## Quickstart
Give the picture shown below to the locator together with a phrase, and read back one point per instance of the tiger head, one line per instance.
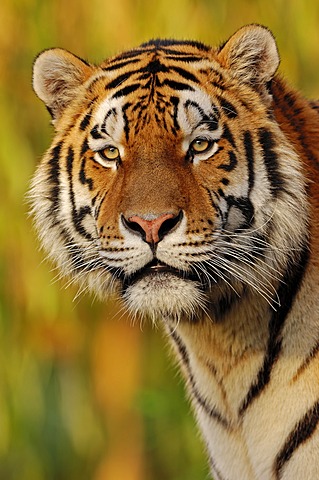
(169, 179)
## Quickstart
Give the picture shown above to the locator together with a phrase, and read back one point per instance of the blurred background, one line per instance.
(83, 393)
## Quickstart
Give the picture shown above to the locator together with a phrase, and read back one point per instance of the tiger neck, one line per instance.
(224, 358)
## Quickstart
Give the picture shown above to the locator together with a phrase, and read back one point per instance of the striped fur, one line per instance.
(183, 178)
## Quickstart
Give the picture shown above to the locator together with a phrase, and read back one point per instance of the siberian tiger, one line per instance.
(183, 177)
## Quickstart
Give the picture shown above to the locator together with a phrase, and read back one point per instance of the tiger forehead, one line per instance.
(174, 114)
(152, 85)
(153, 68)
(159, 53)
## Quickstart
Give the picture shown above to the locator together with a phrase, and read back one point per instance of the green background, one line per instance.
(84, 394)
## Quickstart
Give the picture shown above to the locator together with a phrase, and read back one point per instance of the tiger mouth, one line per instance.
(157, 268)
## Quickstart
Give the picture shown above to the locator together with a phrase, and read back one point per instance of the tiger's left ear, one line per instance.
(57, 76)
(251, 55)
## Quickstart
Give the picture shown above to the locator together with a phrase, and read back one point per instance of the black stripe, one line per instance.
(126, 90)
(132, 54)
(216, 75)
(211, 412)
(85, 147)
(175, 102)
(90, 87)
(177, 85)
(249, 150)
(83, 178)
(267, 144)
(286, 293)
(299, 435)
(154, 67)
(54, 163)
(94, 99)
(211, 121)
(245, 206)
(228, 167)
(228, 135)
(145, 76)
(126, 120)
(97, 211)
(311, 355)
(113, 112)
(228, 108)
(161, 121)
(119, 80)
(85, 121)
(165, 43)
(95, 133)
(315, 106)
(217, 80)
(119, 65)
(185, 74)
(186, 59)
(77, 216)
(216, 84)
(53, 178)
(290, 99)
(215, 205)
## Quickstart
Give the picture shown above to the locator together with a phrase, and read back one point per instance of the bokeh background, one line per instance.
(83, 393)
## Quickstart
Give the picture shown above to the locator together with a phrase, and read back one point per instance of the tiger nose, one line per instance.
(152, 231)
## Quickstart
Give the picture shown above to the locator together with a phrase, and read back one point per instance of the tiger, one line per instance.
(183, 179)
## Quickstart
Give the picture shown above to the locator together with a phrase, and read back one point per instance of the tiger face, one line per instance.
(169, 180)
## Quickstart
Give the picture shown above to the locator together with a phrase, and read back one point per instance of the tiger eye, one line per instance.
(200, 145)
(110, 153)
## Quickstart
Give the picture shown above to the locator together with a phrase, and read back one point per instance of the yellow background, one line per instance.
(83, 393)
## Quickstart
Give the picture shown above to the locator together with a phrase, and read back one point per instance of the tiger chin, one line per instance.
(184, 178)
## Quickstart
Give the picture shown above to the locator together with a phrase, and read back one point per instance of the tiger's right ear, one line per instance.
(251, 56)
(57, 74)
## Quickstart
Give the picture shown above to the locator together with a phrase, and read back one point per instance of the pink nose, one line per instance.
(153, 230)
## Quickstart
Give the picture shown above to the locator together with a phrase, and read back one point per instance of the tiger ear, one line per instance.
(251, 55)
(57, 74)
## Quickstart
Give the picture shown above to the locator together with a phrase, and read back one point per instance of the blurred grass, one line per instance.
(83, 394)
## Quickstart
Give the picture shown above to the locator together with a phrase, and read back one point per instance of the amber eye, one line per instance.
(200, 145)
(109, 153)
